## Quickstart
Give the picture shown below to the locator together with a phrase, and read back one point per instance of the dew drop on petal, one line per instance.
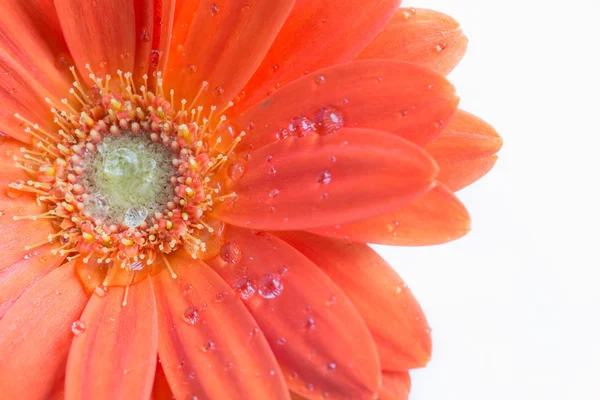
(324, 177)
(270, 286)
(301, 126)
(214, 9)
(310, 323)
(190, 315)
(328, 120)
(440, 46)
(209, 346)
(245, 287)
(274, 193)
(78, 328)
(135, 216)
(231, 253)
(236, 171)
(320, 79)
(331, 366)
(220, 297)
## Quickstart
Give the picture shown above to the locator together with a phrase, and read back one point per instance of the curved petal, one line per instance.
(43, 314)
(209, 345)
(394, 386)
(300, 183)
(407, 100)
(164, 15)
(318, 337)
(387, 305)
(425, 37)
(223, 43)
(317, 34)
(161, 389)
(115, 356)
(465, 150)
(100, 33)
(29, 71)
(437, 217)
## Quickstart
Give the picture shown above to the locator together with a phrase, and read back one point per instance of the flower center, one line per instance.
(127, 177)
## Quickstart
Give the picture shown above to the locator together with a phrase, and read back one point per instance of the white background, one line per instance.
(515, 306)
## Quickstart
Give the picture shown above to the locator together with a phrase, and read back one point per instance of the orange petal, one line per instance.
(318, 337)
(435, 218)
(223, 44)
(425, 37)
(394, 386)
(28, 72)
(404, 99)
(100, 33)
(164, 13)
(463, 151)
(316, 35)
(44, 314)
(392, 313)
(209, 344)
(300, 183)
(116, 355)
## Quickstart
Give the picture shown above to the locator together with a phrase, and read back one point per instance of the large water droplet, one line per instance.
(301, 126)
(231, 252)
(236, 171)
(120, 163)
(324, 177)
(78, 328)
(135, 216)
(270, 286)
(191, 315)
(97, 206)
(328, 120)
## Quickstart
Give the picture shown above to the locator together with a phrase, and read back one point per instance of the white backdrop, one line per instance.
(515, 306)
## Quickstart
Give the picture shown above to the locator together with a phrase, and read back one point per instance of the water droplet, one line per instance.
(44, 259)
(28, 256)
(440, 46)
(231, 253)
(120, 162)
(220, 297)
(310, 387)
(270, 286)
(324, 177)
(13, 193)
(145, 36)
(328, 120)
(192, 68)
(78, 328)
(135, 216)
(301, 126)
(188, 289)
(191, 315)
(408, 13)
(272, 170)
(310, 322)
(154, 58)
(282, 133)
(281, 341)
(219, 91)
(213, 9)
(209, 346)
(273, 193)
(320, 79)
(331, 366)
(236, 171)
(245, 287)
(274, 68)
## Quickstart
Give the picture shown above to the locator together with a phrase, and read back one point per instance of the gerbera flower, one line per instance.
(195, 182)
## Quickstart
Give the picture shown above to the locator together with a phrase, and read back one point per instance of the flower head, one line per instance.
(195, 184)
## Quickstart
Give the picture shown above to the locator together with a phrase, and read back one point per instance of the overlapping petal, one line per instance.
(99, 33)
(437, 217)
(43, 315)
(318, 337)
(209, 345)
(465, 150)
(316, 35)
(222, 43)
(424, 37)
(385, 302)
(408, 100)
(394, 386)
(114, 356)
(300, 183)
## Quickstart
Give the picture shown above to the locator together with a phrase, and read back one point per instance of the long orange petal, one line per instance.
(116, 355)
(29, 72)
(301, 183)
(407, 100)
(223, 44)
(435, 218)
(464, 151)
(100, 33)
(425, 37)
(394, 386)
(316, 35)
(161, 389)
(44, 314)
(209, 344)
(387, 305)
(318, 337)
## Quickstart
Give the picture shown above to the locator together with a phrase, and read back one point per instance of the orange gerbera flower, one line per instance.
(195, 182)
